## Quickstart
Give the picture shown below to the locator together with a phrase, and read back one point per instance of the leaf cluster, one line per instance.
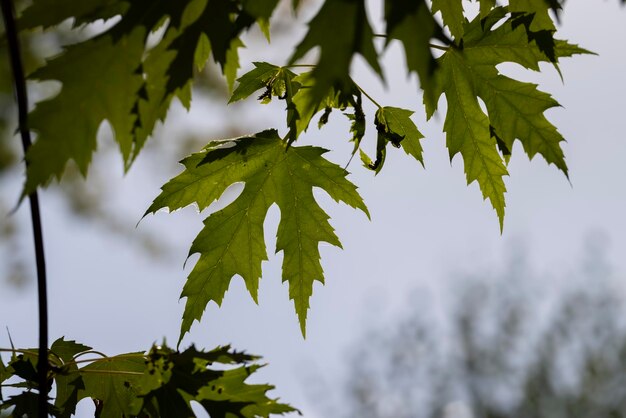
(129, 73)
(159, 383)
(122, 75)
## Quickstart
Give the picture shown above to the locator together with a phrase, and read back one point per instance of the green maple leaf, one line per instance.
(46, 13)
(67, 349)
(119, 78)
(394, 126)
(277, 82)
(452, 14)
(113, 381)
(306, 105)
(173, 379)
(515, 110)
(229, 395)
(263, 76)
(68, 381)
(413, 24)
(214, 23)
(486, 6)
(232, 240)
(340, 29)
(262, 10)
(99, 83)
(25, 405)
(539, 10)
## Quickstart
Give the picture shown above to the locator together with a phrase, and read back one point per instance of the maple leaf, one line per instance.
(394, 126)
(340, 29)
(263, 76)
(486, 6)
(230, 395)
(452, 14)
(68, 381)
(539, 9)
(232, 240)
(99, 82)
(515, 110)
(278, 82)
(306, 105)
(113, 382)
(173, 379)
(262, 10)
(413, 24)
(47, 13)
(118, 77)
(24, 405)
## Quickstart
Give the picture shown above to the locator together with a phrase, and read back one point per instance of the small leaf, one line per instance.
(68, 381)
(263, 75)
(306, 105)
(67, 349)
(396, 126)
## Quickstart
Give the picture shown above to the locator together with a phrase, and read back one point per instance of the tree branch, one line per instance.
(22, 105)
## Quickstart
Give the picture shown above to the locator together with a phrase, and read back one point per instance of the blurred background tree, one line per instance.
(507, 346)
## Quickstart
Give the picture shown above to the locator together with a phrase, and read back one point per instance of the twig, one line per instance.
(22, 105)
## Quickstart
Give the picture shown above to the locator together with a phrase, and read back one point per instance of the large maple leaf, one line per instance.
(515, 110)
(232, 240)
(120, 77)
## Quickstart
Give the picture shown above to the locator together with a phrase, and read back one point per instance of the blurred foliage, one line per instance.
(514, 347)
(87, 199)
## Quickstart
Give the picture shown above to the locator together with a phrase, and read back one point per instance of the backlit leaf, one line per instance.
(515, 110)
(340, 29)
(232, 240)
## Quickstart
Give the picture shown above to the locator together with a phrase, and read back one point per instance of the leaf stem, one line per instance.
(439, 47)
(371, 99)
(17, 350)
(122, 372)
(105, 358)
(91, 352)
(299, 66)
(22, 105)
(434, 46)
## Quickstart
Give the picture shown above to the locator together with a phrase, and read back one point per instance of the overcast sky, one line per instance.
(426, 224)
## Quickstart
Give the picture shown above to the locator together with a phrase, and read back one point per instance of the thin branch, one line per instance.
(22, 105)
(300, 66)
(371, 99)
(120, 372)
(434, 46)
(439, 47)
(17, 350)
(95, 360)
